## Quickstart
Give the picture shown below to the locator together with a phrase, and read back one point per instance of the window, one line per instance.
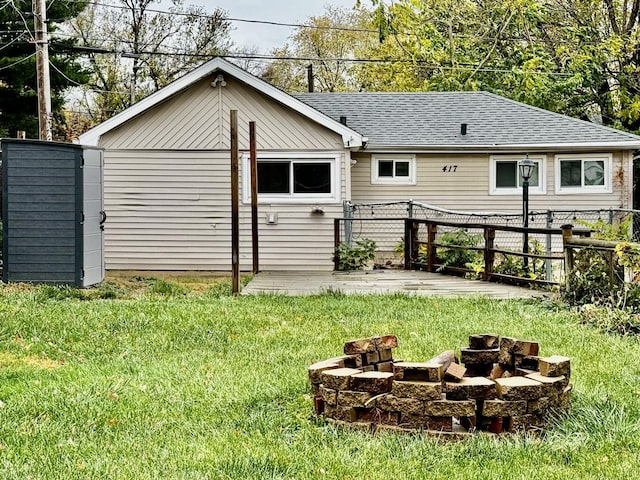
(299, 179)
(583, 173)
(505, 179)
(393, 169)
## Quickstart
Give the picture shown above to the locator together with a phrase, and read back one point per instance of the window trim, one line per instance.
(585, 189)
(409, 180)
(294, 198)
(541, 189)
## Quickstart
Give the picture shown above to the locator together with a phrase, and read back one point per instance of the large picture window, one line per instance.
(393, 169)
(583, 173)
(505, 179)
(297, 179)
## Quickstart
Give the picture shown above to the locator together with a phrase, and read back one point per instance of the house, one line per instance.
(167, 165)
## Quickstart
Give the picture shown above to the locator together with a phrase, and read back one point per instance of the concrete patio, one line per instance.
(409, 282)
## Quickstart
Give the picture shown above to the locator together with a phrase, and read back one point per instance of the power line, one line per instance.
(233, 19)
(12, 41)
(245, 56)
(445, 22)
(22, 60)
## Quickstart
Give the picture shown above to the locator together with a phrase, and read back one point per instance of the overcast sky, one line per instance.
(266, 37)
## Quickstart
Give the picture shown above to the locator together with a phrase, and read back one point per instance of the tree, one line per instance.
(578, 57)
(18, 83)
(333, 39)
(133, 49)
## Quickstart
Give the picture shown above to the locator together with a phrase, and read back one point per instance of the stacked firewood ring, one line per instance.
(496, 385)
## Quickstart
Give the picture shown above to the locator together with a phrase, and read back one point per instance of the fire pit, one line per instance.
(496, 385)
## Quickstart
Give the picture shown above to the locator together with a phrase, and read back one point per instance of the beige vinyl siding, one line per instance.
(171, 210)
(198, 118)
(468, 187)
(167, 185)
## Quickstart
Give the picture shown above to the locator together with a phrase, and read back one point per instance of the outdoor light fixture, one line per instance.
(526, 171)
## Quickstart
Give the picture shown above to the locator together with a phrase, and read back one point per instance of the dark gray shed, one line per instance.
(52, 213)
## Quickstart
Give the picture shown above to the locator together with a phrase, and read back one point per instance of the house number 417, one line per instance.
(449, 168)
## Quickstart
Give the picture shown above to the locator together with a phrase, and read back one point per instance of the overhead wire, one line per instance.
(443, 21)
(24, 21)
(11, 42)
(18, 62)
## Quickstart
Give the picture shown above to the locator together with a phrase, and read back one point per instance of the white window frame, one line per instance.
(585, 189)
(541, 189)
(300, 198)
(409, 180)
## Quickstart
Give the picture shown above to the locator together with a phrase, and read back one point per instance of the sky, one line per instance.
(266, 37)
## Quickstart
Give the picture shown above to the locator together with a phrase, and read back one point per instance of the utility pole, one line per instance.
(42, 69)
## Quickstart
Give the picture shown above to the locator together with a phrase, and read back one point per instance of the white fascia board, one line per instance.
(351, 138)
(559, 147)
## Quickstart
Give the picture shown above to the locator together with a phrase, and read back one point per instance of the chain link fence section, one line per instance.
(381, 222)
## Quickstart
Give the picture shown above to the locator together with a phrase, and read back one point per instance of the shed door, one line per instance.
(93, 210)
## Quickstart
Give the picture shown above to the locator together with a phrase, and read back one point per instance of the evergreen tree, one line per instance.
(18, 82)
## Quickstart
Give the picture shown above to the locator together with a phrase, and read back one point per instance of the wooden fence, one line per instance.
(426, 253)
(424, 249)
(607, 249)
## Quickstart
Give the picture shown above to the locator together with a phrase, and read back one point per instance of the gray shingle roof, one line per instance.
(432, 119)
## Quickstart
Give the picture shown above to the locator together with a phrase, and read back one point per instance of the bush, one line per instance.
(355, 257)
(514, 265)
(597, 285)
(459, 257)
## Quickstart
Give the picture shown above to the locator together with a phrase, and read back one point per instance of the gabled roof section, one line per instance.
(431, 121)
(351, 138)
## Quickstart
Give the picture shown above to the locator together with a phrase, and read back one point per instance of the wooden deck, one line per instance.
(380, 282)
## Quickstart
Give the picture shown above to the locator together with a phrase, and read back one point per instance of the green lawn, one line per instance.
(173, 384)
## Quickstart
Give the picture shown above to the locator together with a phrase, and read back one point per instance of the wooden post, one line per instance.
(411, 246)
(336, 243)
(567, 235)
(235, 206)
(432, 231)
(408, 244)
(489, 255)
(254, 196)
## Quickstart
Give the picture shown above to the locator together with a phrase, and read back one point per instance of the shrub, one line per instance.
(598, 277)
(459, 257)
(514, 265)
(355, 256)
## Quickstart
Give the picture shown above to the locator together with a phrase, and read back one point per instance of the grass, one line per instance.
(154, 379)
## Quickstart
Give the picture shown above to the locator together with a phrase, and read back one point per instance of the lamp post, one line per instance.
(526, 170)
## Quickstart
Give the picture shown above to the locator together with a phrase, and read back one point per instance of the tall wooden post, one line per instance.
(432, 231)
(254, 196)
(336, 243)
(235, 207)
(408, 243)
(489, 254)
(567, 234)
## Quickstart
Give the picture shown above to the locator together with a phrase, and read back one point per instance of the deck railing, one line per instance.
(426, 246)
(427, 252)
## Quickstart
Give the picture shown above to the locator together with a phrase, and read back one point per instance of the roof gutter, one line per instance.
(488, 148)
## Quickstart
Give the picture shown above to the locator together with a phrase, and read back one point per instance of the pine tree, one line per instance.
(18, 82)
